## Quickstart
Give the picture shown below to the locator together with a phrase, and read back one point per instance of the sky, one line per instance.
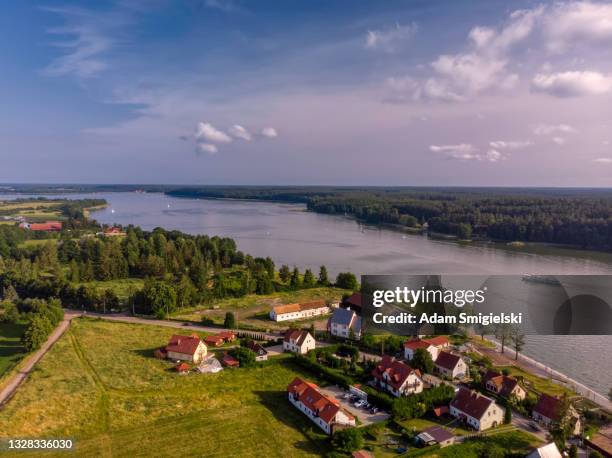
(415, 93)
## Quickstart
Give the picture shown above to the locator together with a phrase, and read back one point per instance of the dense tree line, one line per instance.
(580, 218)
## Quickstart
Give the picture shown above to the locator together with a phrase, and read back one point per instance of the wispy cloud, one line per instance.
(573, 83)
(510, 145)
(390, 38)
(548, 129)
(238, 131)
(603, 160)
(269, 132)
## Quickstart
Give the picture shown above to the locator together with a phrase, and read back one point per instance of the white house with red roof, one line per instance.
(433, 345)
(476, 410)
(397, 378)
(186, 348)
(450, 365)
(323, 411)
(550, 410)
(298, 341)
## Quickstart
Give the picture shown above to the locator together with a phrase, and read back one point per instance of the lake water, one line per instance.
(290, 235)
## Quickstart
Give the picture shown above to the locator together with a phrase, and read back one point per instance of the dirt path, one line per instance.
(13, 383)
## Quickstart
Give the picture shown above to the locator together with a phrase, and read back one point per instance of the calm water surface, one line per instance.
(290, 235)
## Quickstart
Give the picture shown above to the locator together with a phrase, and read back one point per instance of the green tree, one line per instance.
(323, 279)
(37, 332)
(9, 314)
(503, 333)
(295, 282)
(347, 280)
(245, 355)
(284, 273)
(508, 415)
(160, 297)
(518, 341)
(309, 279)
(230, 321)
(422, 360)
(348, 440)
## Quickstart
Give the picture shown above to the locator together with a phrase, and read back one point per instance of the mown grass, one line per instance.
(122, 287)
(516, 443)
(536, 383)
(101, 386)
(11, 350)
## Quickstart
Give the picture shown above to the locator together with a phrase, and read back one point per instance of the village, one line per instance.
(439, 391)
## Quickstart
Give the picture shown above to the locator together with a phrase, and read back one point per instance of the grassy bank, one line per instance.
(101, 386)
(11, 350)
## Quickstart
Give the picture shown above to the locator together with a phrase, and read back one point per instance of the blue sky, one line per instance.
(307, 92)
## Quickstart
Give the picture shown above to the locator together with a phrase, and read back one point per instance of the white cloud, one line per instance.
(206, 131)
(573, 83)
(559, 140)
(571, 23)
(206, 148)
(603, 160)
(467, 152)
(269, 132)
(240, 132)
(549, 129)
(509, 145)
(390, 38)
(494, 156)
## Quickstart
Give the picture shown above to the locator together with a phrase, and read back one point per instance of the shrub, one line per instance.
(348, 440)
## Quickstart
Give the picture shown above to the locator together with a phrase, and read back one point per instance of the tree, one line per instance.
(422, 360)
(348, 440)
(284, 273)
(573, 451)
(10, 314)
(508, 415)
(309, 279)
(323, 279)
(295, 281)
(244, 355)
(518, 340)
(160, 298)
(230, 321)
(503, 333)
(36, 332)
(347, 280)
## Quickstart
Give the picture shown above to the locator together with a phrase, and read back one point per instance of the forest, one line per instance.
(580, 218)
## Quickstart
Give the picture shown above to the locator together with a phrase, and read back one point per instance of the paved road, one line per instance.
(525, 423)
(9, 389)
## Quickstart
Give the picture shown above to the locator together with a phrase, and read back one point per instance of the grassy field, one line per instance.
(538, 384)
(11, 350)
(517, 443)
(101, 386)
(253, 309)
(122, 287)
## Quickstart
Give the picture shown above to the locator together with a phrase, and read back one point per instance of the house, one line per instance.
(186, 348)
(397, 378)
(476, 410)
(113, 232)
(299, 311)
(229, 361)
(450, 365)
(182, 368)
(362, 454)
(549, 410)
(546, 451)
(504, 385)
(261, 354)
(323, 411)
(48, 226)
(345, 323)
(436, 435)
(353, 302)
(298, 341)
(433, 345)
(220, 338)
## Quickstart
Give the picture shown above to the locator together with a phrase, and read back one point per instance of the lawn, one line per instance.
(101, 386)
(11, 350)
(539, 384)
(516, 443)
(253, 309)
(122, 287)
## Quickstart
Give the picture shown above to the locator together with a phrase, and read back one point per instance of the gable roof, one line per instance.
(298, 336)
(505, 384)
(308, 394)
(548, 406)
(354, 299)
(546, 451)
(438, 341)
(342, 317)
(396, 371)
(415, 344)
(436, 433)
(184, 344)
(292, 308)
(214, 340)
(46, 226)
(447, 360)
(257, 348)
(471, 403)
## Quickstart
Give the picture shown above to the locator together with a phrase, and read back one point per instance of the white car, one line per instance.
(360, 403)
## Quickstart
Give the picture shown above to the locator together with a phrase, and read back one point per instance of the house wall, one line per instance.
(433, 351)
(305, 410)
(493, 416)
(299, 315)
(179, 356)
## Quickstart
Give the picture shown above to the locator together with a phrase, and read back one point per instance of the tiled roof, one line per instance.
(447, 360)
(292, 308)
(548, 406)
(503, 383)
(183, 344)
(415, 344)
(438, 341)
(309, 395)
(296, 335)
(396, 371)
(342, 317)
(471, 403)
(353, 299)
(257, 348)
(437, 433)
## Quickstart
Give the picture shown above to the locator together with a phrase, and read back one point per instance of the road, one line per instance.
(13, 383)
(525, 423)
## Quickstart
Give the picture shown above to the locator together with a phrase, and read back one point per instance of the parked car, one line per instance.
(360, 403)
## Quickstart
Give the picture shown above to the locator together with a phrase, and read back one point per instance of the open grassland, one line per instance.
(101, 386)
(28, 205)
(538, 384)
(11, 350)
(254, 309)
(122, 287)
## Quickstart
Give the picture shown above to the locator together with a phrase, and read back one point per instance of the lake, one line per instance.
(291, 235)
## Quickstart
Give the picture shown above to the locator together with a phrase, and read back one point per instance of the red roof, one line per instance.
(396, 371)
(183, 344)
(182, 367)
(47, 226)
(309, 395)
(296, 335)
(362, 454)
(437, 341)
(112, 230)
(215, 340)
(471, 403)
(549, 407)
(354, 299)
(227, 335)
(504, 384)
(447, 360)
(230, 361)
(439, 411)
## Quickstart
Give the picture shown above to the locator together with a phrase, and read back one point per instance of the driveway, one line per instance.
(524, 424)
(365, 417)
